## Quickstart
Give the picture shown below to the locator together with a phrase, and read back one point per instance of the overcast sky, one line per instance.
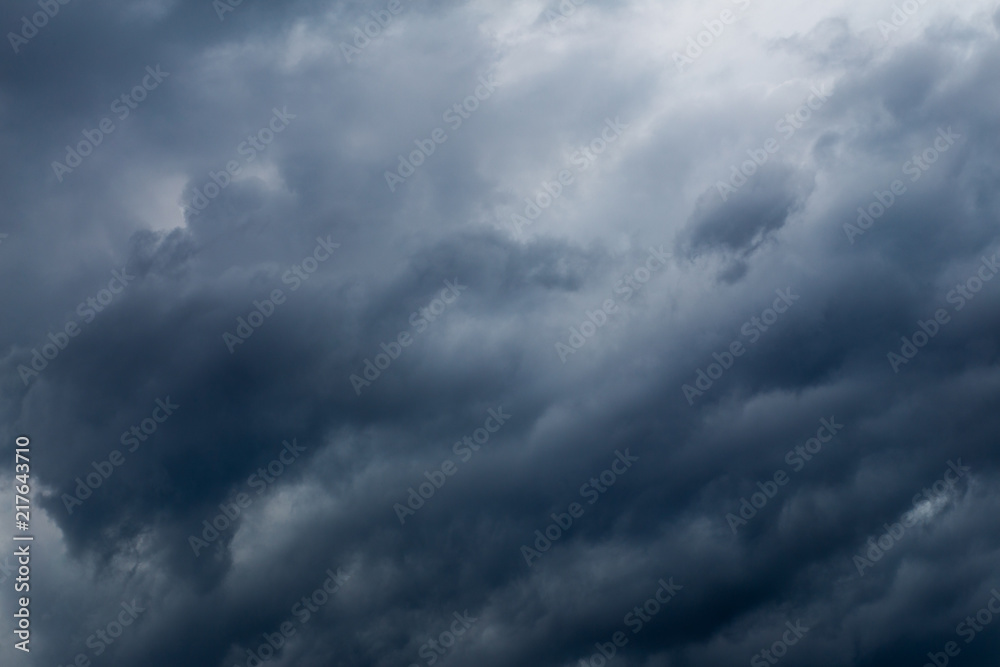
(646, 333)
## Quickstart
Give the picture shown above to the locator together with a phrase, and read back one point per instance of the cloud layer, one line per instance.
(489, 333)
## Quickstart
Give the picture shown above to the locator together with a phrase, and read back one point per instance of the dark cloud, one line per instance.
(284, 471)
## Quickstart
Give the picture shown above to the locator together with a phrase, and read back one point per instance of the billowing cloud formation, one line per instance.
(487, 333)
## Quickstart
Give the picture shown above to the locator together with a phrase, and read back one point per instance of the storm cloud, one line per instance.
(541, 333)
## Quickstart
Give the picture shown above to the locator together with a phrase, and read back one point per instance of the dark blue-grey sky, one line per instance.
(634, 274)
